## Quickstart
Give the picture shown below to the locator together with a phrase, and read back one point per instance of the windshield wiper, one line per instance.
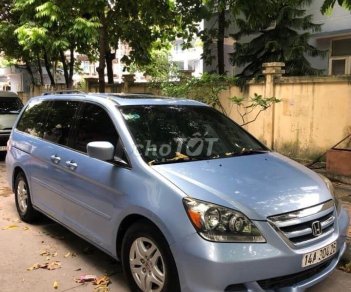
(246, 152)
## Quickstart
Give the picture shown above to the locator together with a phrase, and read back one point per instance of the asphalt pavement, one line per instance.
(48, 257)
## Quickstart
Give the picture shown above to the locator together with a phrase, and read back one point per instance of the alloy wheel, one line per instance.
(147, 265)
(22, 196)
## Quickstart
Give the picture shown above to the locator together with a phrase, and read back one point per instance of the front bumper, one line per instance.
(209, 266)
(3, 141)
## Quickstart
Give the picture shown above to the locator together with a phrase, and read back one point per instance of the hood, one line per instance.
(258, 185)
(7, 121)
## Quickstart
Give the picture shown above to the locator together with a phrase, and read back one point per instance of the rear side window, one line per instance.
(60, 120)
(34, 117)
(94, 124)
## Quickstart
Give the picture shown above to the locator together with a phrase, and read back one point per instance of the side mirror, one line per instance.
(101, 150)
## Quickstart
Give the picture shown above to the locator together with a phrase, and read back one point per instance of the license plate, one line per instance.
(318, 255)
(3, 148)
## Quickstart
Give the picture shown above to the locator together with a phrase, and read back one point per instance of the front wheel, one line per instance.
(23, 200)
(147, 260)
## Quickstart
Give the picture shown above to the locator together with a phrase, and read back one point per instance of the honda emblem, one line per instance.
(316, 228)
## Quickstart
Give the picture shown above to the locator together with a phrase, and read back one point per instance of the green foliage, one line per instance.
(254, 105)
(280, 35)
(159, 69)
(220, 15)
(46, 29)
(328, 5)
(206, 89)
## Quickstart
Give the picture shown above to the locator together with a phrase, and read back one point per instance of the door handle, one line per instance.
(55, 159)
(71, 165)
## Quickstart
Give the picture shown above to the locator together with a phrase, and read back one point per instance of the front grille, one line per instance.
(290, 280)
(296, 227)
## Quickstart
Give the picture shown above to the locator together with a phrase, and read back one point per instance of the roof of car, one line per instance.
(123, 99)
(8, 94)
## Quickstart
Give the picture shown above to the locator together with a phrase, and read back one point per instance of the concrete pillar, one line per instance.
(90, 82)
(272, 71)
(128, 80)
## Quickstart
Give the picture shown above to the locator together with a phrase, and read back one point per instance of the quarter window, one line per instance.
(34, 117)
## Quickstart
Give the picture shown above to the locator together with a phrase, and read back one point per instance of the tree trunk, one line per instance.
(109, 59)
(220, 40)
(65, 69)
(30, 71)
(71, 68)
(40, 70)
(48, 68)
(102, 52)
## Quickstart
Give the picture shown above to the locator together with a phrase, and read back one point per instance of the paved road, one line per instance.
(23, 245)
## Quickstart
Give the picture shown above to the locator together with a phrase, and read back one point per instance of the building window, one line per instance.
(340, 57)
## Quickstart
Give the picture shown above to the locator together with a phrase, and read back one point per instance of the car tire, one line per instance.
(147, 260)
(23, 199)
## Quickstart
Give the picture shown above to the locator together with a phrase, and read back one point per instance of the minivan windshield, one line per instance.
(177, 133)
(9, 105)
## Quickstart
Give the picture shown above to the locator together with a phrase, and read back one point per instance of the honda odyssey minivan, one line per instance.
(185, 198)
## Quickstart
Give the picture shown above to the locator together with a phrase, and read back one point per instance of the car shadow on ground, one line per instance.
(78, 247)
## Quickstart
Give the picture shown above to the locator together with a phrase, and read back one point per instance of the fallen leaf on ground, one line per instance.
(25, 228)
(103, 280)
(55, 285)
(53, 265)
(79, 269)
(102, 283)
(85, 278)
(48, 266)
(10, 227)
(48, 254)
(70, 254)
(34, 267)
(45, 253)
(101, 288)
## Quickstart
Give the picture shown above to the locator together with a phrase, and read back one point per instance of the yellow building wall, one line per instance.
(314, 114)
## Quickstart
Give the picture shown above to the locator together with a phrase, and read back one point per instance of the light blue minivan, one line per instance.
(184, 197)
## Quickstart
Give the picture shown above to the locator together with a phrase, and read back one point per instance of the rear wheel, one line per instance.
(147, 260)
(23, 200)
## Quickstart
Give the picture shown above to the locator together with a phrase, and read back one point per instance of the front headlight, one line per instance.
(217, 223)
(330, 187)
